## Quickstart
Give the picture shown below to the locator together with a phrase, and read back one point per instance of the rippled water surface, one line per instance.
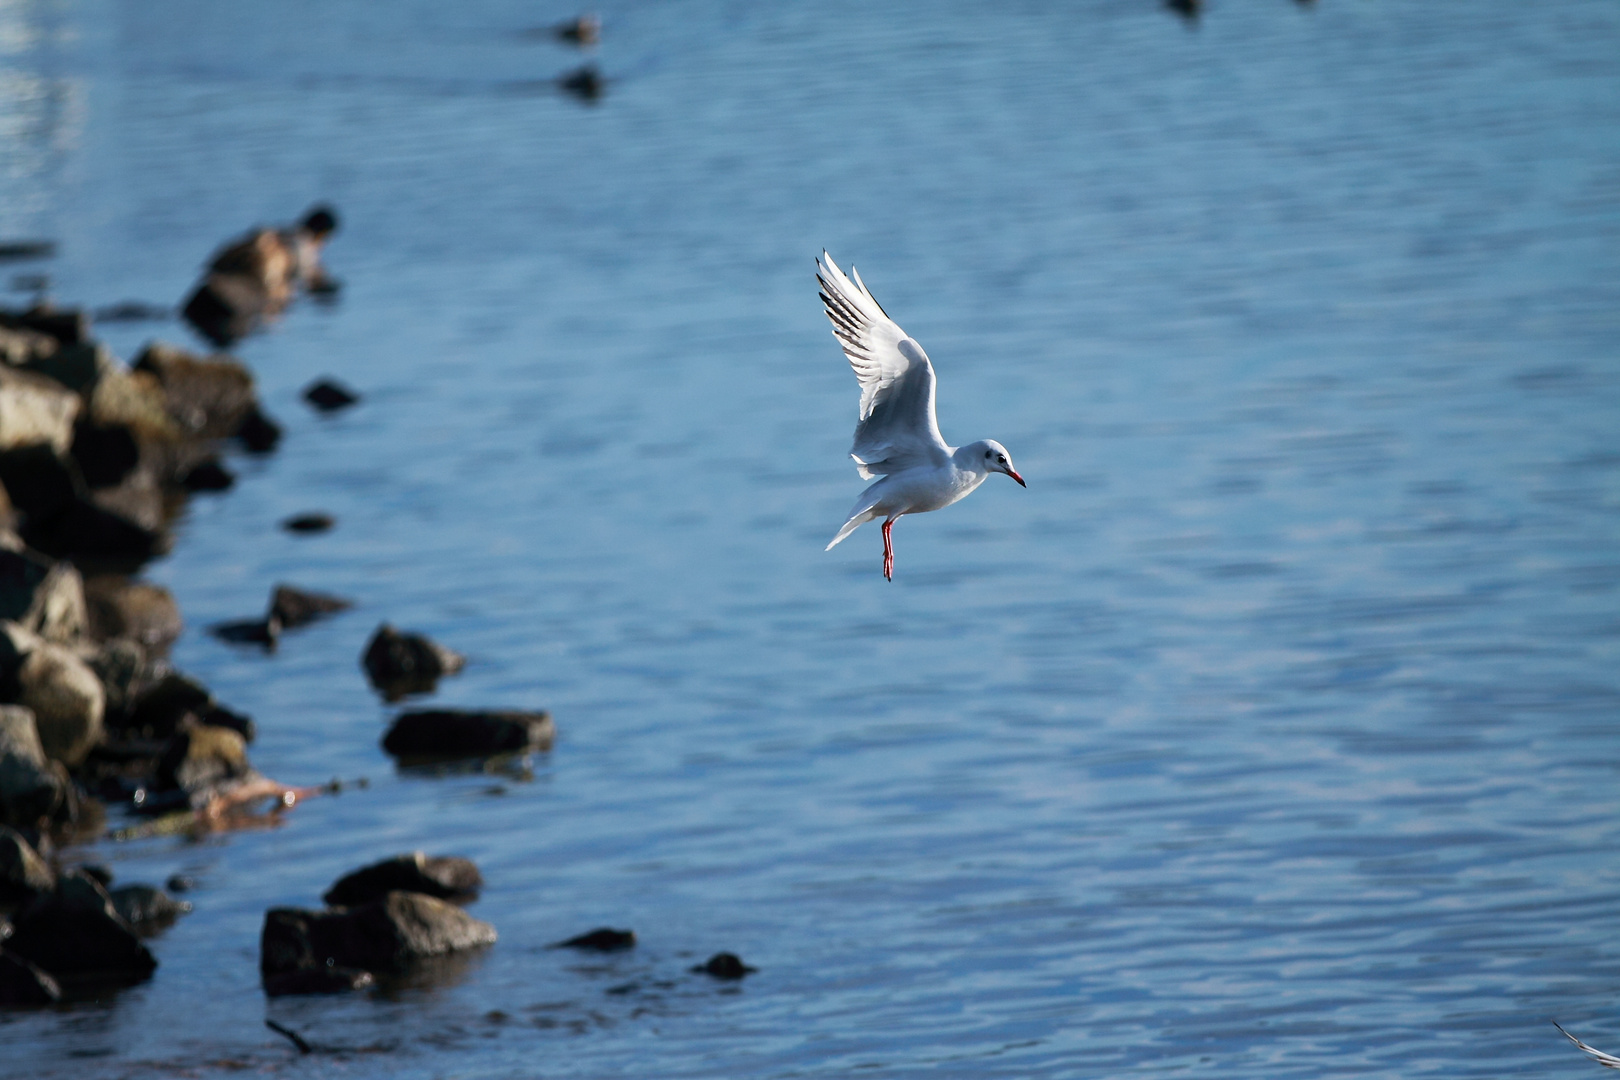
(1271, 732)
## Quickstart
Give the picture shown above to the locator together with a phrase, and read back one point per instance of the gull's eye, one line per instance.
(1001, 459)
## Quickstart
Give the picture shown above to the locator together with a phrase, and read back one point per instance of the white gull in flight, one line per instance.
(897, 436)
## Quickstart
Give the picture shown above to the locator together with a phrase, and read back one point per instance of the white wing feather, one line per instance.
(897, 428)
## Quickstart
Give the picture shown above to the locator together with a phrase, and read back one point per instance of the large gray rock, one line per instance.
(121, 608)
(442, 876)
(76, 931)
(47, 597)
(35, 409)
(32, 789)
(64, 694)
(384, 935)
(24, 875)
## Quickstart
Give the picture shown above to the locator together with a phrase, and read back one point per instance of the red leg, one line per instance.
(888, 550)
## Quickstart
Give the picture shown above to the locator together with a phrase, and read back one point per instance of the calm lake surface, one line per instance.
(1274, 731)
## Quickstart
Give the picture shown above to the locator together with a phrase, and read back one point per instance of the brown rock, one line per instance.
(24, 876)
(144, 613)
(400, 664)
(296, 607)
(46, 597)
(35, 410)
(384, 935)
(64, 694)
(32, 788)
(442, 876)
(208, 398)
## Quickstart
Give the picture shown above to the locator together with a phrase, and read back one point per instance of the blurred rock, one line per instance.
(76, 932)
(224, 308)
(21, 983)
(400, 664)
(586, 83)
(585, 30)
(102, 875)
(384, 935)
(441, 734)
(296, 607)
(32, 788)
(179, 883)
(94, 537)
(443, 876)
(147, 909)
(105, 453)
(132, 311)
(208, 398)
(265, 632)
(142, 612)
(257, 432)
(174, 702)
(24, 875)
(35, 410)
(724, 966)
(126, 672)
(201, 758)
(328, 395)
(321, 980)
(47, 598)
(69, 326)
(309, 523)
(208, 475)
(604, 940)
(38, 481)
(19, 347)
(64, 694)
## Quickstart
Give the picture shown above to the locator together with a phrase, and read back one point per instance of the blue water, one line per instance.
(1271, 732)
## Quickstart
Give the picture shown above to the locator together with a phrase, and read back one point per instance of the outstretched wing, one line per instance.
(897, 428)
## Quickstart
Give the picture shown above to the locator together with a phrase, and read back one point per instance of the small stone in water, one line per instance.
(601, 940)
(309, 523)
(328, 395)
(725, 966)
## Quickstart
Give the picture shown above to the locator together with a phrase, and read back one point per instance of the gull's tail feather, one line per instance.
(856, 520)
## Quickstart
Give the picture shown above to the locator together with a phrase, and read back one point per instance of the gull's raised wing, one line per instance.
(897, 428)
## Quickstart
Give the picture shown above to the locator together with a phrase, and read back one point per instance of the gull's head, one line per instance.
(991, 456)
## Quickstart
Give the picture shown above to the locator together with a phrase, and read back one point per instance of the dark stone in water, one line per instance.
(442, 876)
(77, 932)
(27, 249)
(224, 308)
(309, 523)
(94, 538)
(587, 83)
(400, 664)
(208, 475)
(21, 983)
(180, 883)
(176, 701)
(132, 311)
(296, 607)
(69, 327)
(201, 758)
(328, 395)
(146, 908)
(265, 632)
(724, 966)
(388, 934)
(604, 940)
(441, 734)
(257, 432)
(321, 980)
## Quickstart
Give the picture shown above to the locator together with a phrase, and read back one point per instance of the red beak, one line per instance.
(1012, 473)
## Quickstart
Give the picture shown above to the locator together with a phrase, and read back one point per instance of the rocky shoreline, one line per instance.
(102, 738)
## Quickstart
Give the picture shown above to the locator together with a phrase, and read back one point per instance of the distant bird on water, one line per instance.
(898, 435)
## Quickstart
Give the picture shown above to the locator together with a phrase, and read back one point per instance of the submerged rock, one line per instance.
(265, 632)
(387, 934)
(321, 980)
(21, 983)
(314, 522)
(442, 876)
(297, 607)
(724, 966)
(76, 931)
(604, 940)
(400, 664)
(438, 734)
(328, 395)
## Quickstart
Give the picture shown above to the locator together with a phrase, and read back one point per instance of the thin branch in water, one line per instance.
(297, 1039)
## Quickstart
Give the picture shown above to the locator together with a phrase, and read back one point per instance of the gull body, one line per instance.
(897, 436)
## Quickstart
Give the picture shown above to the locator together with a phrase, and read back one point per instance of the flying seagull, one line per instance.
(898, 436)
